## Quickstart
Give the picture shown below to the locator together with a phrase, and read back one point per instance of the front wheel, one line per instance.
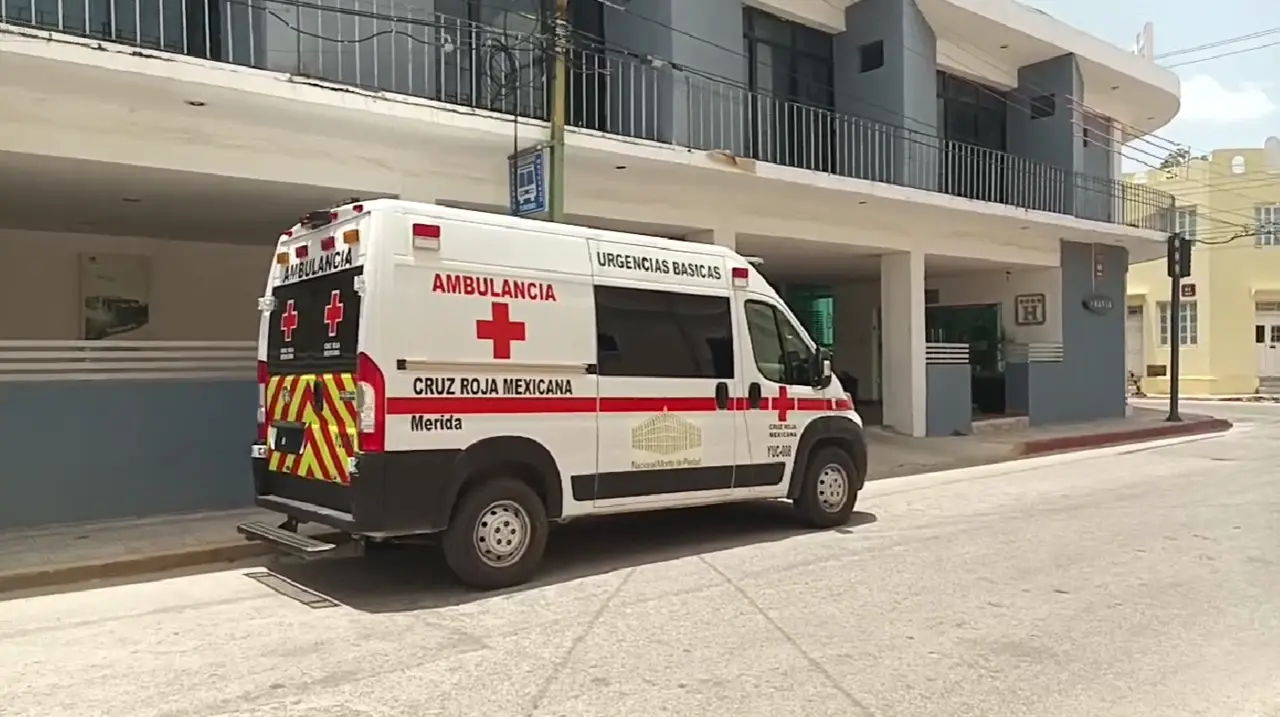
(497, 535)
(827, 495)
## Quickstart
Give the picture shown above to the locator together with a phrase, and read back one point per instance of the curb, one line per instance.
(54, 576)
(1116, 438)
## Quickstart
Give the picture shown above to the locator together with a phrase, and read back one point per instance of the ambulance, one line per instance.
(429, 371)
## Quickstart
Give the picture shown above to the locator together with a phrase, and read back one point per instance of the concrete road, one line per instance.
(1133, 582)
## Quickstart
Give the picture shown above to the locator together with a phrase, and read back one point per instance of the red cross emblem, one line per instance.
(783, 403)
(500, 329)
(333, 312)
(289, 321)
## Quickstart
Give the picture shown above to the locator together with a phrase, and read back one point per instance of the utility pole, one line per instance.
(559, 89)
(1179, 258)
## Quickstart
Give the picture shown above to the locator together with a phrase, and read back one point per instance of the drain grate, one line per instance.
(292, 590)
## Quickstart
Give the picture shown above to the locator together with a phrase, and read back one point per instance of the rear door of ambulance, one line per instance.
(312, 335)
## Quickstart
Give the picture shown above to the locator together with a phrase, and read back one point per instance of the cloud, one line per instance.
(1204, 99)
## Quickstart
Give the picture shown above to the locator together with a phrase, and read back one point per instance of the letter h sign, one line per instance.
(1029, 309)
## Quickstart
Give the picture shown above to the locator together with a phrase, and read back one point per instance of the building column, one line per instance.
(903, 341)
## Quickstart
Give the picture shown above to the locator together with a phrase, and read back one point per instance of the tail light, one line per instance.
(371, 403)
(262, 401)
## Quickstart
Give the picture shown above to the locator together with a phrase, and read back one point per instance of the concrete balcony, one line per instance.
(404, 49)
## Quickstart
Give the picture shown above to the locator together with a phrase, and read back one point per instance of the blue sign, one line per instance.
(528, 181)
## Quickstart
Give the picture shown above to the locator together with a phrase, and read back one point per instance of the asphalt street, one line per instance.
(1130, 581)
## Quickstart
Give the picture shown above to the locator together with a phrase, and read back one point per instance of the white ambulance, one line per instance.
(426, 370)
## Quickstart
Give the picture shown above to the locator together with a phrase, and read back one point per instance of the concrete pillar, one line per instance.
(720, 237)
(903, 339)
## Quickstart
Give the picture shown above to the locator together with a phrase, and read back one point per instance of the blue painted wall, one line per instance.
(1093, 344)
(1053, 139)
(901, 93)
(669, 106)
(101, 450)
(948, 399)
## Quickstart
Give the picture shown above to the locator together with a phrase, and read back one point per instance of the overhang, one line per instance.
(988, 40)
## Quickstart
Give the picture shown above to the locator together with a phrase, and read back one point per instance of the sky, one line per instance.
(1226, 102)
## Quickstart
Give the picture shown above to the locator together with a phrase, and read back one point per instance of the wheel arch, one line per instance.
(825, 431)
(517, 457)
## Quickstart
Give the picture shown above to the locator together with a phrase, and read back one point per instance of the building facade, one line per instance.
(940, 176)
(1229, 314)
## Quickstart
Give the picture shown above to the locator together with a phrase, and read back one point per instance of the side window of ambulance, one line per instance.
(780, 351)
(660, 334)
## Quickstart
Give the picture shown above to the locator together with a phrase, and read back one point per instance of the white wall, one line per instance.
(198, 292)
(1000, 287)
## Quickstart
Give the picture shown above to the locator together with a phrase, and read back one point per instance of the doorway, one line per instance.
(1266, 338)
(979, 326)
(1135, 348)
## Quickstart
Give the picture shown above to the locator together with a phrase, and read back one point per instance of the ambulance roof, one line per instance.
(519, 223)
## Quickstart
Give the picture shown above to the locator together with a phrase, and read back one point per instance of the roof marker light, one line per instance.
(302, 251)
(351, 237)
(327, 244)
(426, 236)
(282, 258)
(740, 275)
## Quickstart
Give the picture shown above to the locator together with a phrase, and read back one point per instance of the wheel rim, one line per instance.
(502, 533)
(833, 488)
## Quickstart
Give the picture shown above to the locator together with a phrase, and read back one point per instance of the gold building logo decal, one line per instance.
(668, 436)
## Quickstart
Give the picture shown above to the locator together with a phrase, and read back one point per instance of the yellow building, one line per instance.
(1230, 313)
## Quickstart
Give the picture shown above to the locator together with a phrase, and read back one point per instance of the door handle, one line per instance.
(722, 395)
(754, 395)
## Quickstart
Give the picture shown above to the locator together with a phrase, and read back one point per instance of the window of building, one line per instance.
(1043, 106)
(791, 65)
(814, 306)
(1188, 324)
(780, 351)
(1185, 220)
(659, 334)
(871, 56)
(788, 60)
(1267, 217)
(1259, 333)
(972, 113)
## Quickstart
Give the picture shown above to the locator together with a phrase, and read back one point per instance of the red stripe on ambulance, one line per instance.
(510, 405)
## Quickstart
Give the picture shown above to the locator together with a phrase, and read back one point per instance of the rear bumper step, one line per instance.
(285, 540)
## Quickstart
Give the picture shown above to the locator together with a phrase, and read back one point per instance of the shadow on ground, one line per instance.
(404, 578)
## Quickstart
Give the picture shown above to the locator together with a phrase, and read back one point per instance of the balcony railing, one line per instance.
(397, 47)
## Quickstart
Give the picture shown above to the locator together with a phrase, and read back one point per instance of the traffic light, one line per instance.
(1179, 256)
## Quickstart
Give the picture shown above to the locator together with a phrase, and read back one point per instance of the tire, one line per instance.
(496, 509)
(821, 502)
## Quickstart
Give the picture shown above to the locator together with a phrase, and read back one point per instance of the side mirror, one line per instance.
(821, 368)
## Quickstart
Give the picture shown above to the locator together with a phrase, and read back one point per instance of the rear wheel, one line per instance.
(497, 535)
(827, 496)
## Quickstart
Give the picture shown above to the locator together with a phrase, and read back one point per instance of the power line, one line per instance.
(1221, 55)
(1219, 43)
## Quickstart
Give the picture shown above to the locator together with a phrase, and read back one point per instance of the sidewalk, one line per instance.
(62, 555)
(67, 554)
(893, 456)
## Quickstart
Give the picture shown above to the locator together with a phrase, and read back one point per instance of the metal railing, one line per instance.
(946, 353)
(22, 361)
(399, 47)
(1039, 352)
